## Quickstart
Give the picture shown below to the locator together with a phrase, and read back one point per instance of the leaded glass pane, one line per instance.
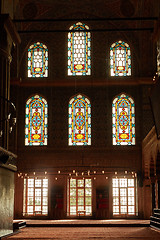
(88, 191)
(30, 201)
(73, 191)
(45, 192)
(120, 59)
(115, 191)
(123, 209)
(88, 200)
(80, 182)
(123, 200)
(130, 191)
(123, 120)
(130, 200)
(37, 200)
(79, 50)
(80, 192)
(38, 183)
(131, 210)
(30, 182)
(123, 182)
(30, 191)
(130, 182)
(115, 201)
(80, 201)
(88, 183)
(36, 121)
(73, 201)
(88, 210)
(73, 210)
(37, 192)
(115, 210)
(38, 60)
(45, 210)
(72, 182)
(79, 121)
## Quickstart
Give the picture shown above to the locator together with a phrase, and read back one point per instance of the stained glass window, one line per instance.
(123, 120)
(79, 50)
(79, 121)
(38, 60)
(36, 121)
(120, 59)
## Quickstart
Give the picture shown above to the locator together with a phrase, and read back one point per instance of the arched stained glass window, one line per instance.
(79, 50)
(36, 120)
(38, 60)
(120, 59)
(79, 121)
(123, 120)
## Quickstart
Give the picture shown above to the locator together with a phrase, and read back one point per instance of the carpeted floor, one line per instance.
(87, 233)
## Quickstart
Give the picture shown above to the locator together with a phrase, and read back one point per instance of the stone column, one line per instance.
(8, 38)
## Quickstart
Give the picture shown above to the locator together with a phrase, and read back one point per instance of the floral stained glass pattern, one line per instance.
(36, 121)
(120, 59)
(79, 121)
(38, 60)
(123, 120)
(79, 50)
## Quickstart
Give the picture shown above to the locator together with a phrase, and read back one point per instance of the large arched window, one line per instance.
(120, 59)
(36, 120)
(123, 120)
(38, 60)
(79, 50)
(79, 121)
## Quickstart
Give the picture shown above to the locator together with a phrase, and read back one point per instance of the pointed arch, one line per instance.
(36, 121)
(79, 50)
(123, 120)
(38, 60)
(120, 59)
(79, 120)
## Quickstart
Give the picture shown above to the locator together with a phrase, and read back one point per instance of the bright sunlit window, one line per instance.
(79, 50)
(35, 196)
(124, 196)
(120, 59)
(79, 197)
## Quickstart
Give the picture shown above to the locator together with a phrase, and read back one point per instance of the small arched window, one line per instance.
(79, 121)
(36, 121)
(120, 59)
(38, 60)
(123, 120)
(79, 50)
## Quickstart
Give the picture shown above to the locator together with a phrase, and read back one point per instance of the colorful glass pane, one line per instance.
(79, 121)
(120, 59)
(123, 120)
(79, 50)
(36, 121)
(38, 60)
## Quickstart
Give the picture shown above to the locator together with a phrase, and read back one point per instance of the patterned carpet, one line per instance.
(87, 233)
